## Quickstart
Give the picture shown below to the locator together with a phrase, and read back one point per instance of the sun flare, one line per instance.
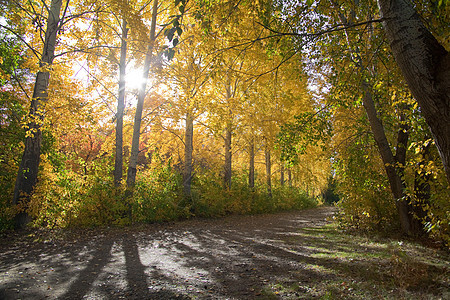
(134, 79)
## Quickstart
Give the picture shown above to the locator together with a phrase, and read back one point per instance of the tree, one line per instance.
(29, 166)
(53, 36)
(118, 165)
(132, 165)
(251, 164)
(393, 163)
(13, 109)
(268, 169)
(189, 72)
(425, 65)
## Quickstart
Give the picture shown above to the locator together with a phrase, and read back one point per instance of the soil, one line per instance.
(236, 257)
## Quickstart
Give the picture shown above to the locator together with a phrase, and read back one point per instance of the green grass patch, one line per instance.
(342, 265)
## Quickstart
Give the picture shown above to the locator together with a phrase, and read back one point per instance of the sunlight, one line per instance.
(134, 78)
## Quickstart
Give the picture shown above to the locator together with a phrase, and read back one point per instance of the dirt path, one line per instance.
(238, 257)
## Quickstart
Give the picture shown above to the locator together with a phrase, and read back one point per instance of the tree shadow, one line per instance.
(137, 279)
(135, 274)
(236, 258)
(83, 284)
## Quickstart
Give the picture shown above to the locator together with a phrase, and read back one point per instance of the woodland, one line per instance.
(119, 112)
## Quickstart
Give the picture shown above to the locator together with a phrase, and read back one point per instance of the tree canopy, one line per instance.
(115, 112)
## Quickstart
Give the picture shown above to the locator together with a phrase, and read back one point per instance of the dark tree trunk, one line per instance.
(118, 164)
(188, 148)
(389, 161)
(415, 209)
(425, 65)
(268, 172)
(228, 157)
(29, 165)
(422, 191)
(290, 177)
(251, 170)
(282, 174)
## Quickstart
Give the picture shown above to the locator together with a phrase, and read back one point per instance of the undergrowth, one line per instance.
(64, 198)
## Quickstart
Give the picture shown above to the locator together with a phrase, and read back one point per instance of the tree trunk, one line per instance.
(268, 172)
(425, 65)
(282, 174)
(118, 164)
(251, 170)
(188, 148)
(415, 208)
(228, 156)
(29, 165)
(290, 177)
(422, 191)
(389, 161)
(132, 165)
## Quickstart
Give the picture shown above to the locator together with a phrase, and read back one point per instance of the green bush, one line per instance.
(212, 200)
(158, 195)
(64, 198)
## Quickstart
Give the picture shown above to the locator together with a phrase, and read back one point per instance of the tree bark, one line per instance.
(422, 191)
(188, 149)
(132, 165)
(251, 169)
(118, 164)
(282, 174)
(389, 161)
(268, 172)
(29, 165)
(425, 65)
(228, 157)
(290, 177)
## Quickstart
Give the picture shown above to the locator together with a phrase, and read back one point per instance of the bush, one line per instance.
(64, 198)
(211, 200)
(158, 195)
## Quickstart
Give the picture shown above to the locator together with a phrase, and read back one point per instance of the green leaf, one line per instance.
(170, 54)
(171, 33)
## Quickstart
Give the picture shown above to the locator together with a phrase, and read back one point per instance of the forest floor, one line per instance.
(294, 255)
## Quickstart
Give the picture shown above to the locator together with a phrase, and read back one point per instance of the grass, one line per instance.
(351, 266)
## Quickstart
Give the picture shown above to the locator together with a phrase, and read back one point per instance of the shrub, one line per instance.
(158, 195)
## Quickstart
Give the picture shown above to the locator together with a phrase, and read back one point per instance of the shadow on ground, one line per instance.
(283, 256)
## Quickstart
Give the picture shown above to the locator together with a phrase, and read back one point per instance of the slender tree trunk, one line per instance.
(282, 174)
(228, 157)
(415, 204)
(268, 171)
(389, 161)
(422, 191)
(132, 165)
(118, 164)
(188, 148)
(425, 65)
(251, 170)
(29, 165)
(290, 177)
